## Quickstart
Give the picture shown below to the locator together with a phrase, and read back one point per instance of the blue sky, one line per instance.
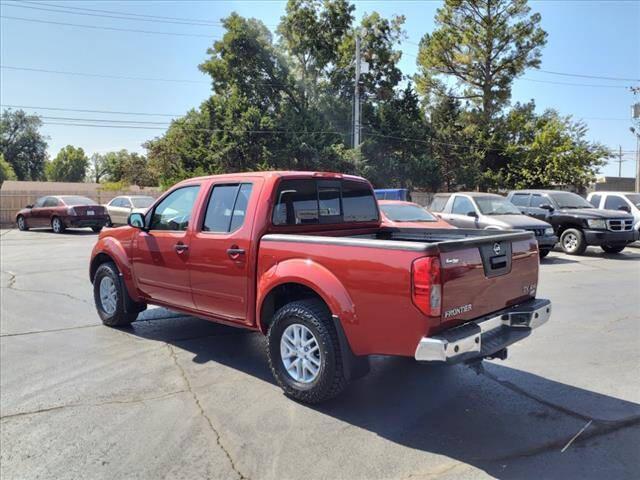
(598, 38)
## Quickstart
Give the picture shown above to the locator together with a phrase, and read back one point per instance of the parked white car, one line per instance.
(119, 208)
(625, 201)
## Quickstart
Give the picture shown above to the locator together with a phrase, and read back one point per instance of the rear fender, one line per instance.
(312, 275)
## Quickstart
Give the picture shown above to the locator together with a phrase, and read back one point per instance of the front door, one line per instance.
(160, 255)
(222, 254)
(537, 200)
(36, 215)
(460, 210)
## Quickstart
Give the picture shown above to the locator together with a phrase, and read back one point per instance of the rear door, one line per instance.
(221, 252)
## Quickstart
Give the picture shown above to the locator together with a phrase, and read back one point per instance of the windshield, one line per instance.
(142, 202)
(570, 200)
(496, 206)
(634, 198)
(407, 213)
(74, 200)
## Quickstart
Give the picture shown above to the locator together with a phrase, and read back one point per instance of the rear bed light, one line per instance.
(427, 285)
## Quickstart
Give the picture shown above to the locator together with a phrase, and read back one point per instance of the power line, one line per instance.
(97, 27)
(116, 15)
(598, 77)
(100, 75)
(82, 110)
(572, 84)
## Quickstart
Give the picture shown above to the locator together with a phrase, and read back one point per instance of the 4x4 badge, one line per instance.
(496, 248)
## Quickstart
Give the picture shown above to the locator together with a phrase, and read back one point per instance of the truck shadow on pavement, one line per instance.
(510, 423)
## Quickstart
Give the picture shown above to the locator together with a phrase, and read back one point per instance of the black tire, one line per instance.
(572, 241)
(330, 380)
(118, 317)
(22, 223)
(613, 248)
(57, 225)
(109, 222)
(96, 229)
(543, 253)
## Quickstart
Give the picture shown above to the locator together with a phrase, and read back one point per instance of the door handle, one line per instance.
(181, 247)
(234, 252)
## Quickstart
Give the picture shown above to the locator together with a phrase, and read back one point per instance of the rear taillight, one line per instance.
(427, 286)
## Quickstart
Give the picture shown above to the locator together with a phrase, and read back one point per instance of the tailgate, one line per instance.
(492, 272)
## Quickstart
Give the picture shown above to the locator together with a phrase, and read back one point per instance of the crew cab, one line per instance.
(302, 258)
(576, 221)
(491, 212)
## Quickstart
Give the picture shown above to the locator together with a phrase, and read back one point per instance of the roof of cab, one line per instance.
(279, 174)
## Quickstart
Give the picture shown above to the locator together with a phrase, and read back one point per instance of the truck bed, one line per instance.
(482, 272)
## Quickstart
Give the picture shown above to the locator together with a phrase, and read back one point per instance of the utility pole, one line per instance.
(620, 160)
(356, 97)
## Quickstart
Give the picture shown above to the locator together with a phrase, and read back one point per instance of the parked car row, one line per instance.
(610, 220)
(60, 212)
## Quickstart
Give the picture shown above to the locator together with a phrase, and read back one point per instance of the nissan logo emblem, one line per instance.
(496, 248)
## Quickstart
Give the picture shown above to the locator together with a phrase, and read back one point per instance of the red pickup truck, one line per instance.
(302, 258)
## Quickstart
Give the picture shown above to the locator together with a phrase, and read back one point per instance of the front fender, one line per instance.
(116, 251)
(314, 276)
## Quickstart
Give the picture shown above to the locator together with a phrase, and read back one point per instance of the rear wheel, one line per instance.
(22, 223)
(613, 248)
(304, 352)
(57, 225)
(573, 242)
(109, 296)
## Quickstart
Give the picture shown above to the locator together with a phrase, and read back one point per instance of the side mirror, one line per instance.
(625, 208)
(29, 206)
(136, 220)
(472, 214)
(546, 206)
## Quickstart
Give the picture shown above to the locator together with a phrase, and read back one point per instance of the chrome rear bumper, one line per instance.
(485, 336)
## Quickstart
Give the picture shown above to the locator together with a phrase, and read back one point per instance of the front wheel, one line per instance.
(573, 242)
(613, 248)
(57, 225)
(304, 352)
(109, 297)
(543, 253)
(22, 223)
(96, 229)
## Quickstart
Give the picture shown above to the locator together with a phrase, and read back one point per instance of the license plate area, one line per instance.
(91, 212)
(496, 258)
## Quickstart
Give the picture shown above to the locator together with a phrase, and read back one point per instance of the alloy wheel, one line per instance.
(300, 353)
(108, 295)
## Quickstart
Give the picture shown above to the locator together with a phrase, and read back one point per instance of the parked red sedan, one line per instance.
(61, 212)
(396, 213)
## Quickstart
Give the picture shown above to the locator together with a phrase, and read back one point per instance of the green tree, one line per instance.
(6, 170)
(70, 165)
(484, 45)
(547, 150)
(22, 144)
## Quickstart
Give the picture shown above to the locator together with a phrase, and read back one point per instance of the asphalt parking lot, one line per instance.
(178, 397)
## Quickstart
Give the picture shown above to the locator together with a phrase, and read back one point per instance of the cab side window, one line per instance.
(462, 206)
(537, 200)
(227, 208)
(595, 200)
(520, 199)
(614, 202)
(174, 211)
(438, 204)
(39, 203)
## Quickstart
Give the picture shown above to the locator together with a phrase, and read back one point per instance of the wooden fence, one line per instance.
(13, 200)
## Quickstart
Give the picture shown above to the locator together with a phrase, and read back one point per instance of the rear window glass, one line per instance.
(75, 200)
(406, 213)
(310, 201)
(142, 202)
(438, 204)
